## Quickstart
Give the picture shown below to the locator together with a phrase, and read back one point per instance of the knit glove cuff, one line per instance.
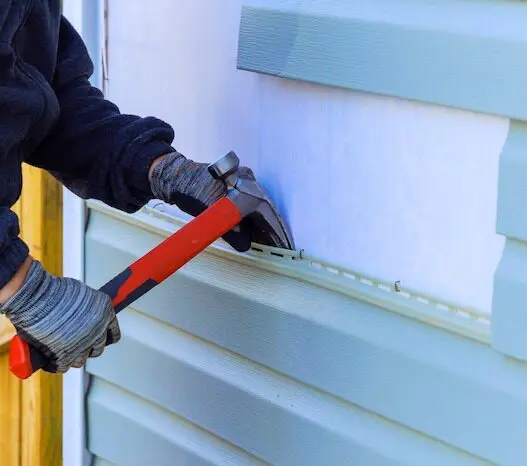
(62, 317)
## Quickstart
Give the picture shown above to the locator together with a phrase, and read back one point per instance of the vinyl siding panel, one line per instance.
(404, 49)
(255, 359)
(398, 48)
(509, 319)
(101, 462)
(138, 432)
(230, 363)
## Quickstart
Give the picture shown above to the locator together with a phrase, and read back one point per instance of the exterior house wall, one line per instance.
(394, 153)
(332, 158)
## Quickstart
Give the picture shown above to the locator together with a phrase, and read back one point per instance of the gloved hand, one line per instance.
(189, 185)
(63, 318)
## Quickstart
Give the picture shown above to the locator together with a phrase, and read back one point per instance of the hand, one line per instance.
(189, 185)
(63, 318)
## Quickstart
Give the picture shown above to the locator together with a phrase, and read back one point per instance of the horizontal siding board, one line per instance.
(134, 432)
(101, 462)
(512, 187)
(509, 319)
(350, 349)
(465, 55)
(509, 325)
(271, 416)
(467, 322)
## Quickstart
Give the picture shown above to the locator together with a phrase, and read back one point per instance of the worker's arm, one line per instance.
(94, 150)
(99, 153)
(67, 320)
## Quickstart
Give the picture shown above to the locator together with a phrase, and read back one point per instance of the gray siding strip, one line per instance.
(133, 432)
(509, 323)
(271, 416)
(468, 55)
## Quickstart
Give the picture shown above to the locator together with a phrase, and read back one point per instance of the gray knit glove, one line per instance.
(189, 185)
(63, 318)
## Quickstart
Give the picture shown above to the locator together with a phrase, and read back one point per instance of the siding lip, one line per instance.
(466, 322)
(404, 49)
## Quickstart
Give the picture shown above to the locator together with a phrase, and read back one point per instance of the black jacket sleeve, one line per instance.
(93, 149)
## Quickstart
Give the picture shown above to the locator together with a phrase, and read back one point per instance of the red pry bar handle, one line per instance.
(145, 273)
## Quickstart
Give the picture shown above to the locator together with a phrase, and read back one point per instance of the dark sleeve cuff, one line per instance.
(11, 259)
(141, 162)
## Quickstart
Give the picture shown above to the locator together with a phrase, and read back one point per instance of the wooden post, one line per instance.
(31, 411)
(10, 408)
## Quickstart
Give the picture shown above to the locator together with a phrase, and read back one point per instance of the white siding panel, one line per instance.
(393, 189)
(177, 61)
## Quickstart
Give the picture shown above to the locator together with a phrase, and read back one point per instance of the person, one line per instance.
(51, 117)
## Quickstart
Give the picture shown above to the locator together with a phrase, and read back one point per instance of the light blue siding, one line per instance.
(241, 363)
(101, 462)
(138, 432)
(509, 323)
(468, 55)
(512, 215)
(233, 364)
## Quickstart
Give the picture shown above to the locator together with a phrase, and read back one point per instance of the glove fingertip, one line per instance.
(98, 347)
(113, 333)
(81, 360)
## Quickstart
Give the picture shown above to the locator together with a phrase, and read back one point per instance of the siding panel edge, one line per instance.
(401, 48)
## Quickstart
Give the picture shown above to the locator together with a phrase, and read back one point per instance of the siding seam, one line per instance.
(509, 321)
(467, 322)
(100, 370)
(160, 408)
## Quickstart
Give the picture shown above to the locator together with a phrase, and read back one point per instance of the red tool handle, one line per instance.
(145, 273)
